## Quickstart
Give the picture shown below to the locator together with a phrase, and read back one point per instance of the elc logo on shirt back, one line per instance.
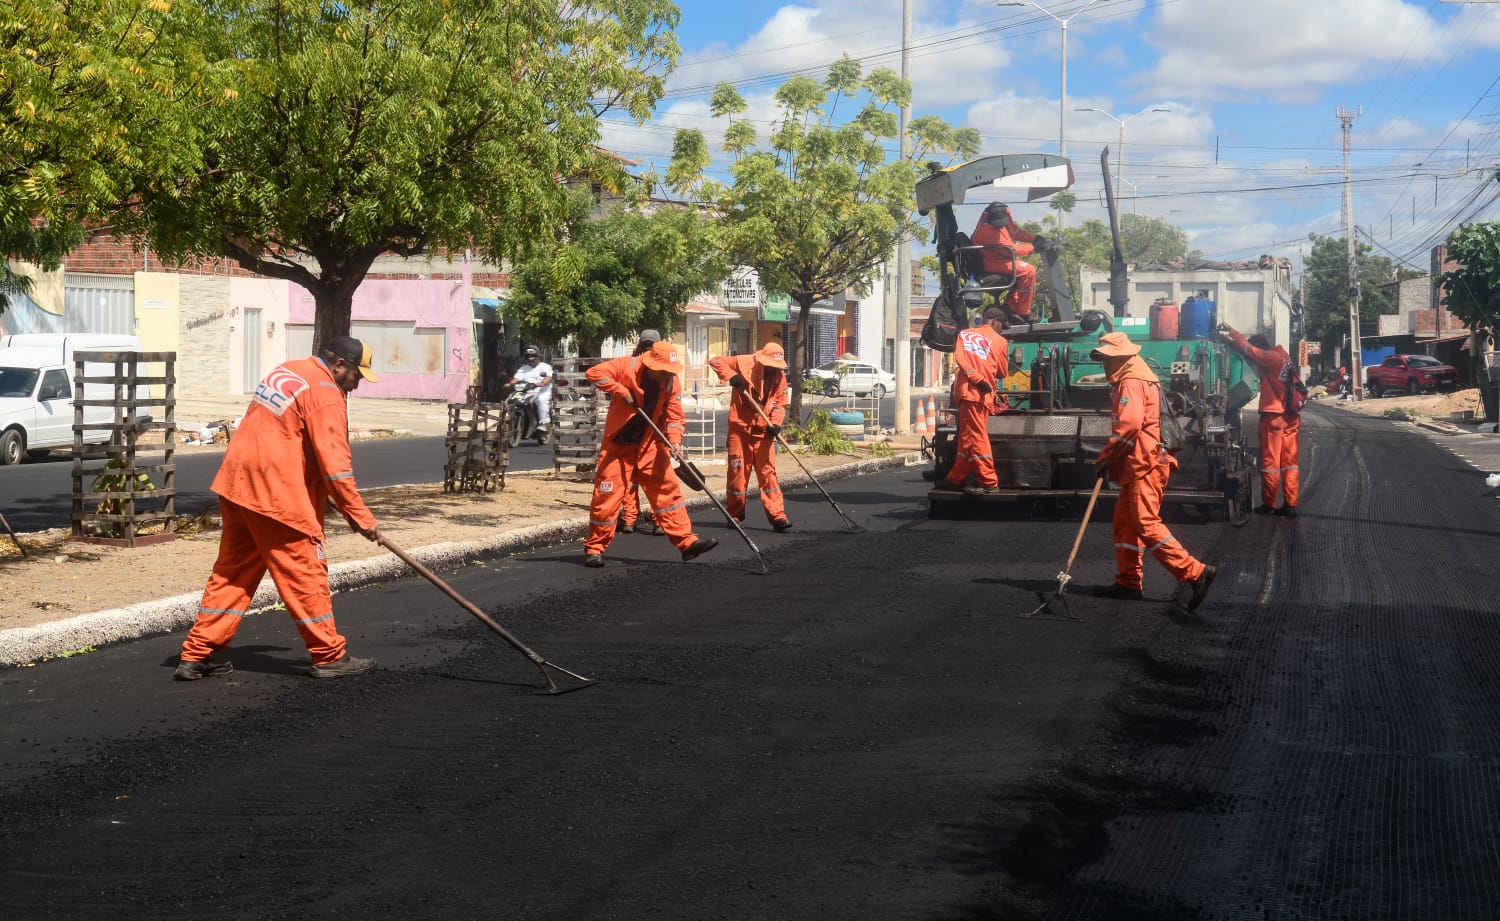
(279, 390)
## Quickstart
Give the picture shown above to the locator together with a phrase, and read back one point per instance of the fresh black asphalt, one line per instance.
(869, 732)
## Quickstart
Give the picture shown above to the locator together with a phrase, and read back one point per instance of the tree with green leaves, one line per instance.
(1325, 286)
(93, 103)
(816, 209)
(1471, 291)
(403, 127)
(610, 277)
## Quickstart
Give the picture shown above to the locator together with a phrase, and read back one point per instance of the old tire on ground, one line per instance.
(12, 446)
(847, 419)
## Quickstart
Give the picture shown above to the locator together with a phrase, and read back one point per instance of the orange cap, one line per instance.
(771, 355)
(662, 357)
(1115, 345)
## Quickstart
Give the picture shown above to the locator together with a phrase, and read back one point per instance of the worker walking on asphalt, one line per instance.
(980, 354)
(1000, 234)
(1280, 427)
(289, 456)
(632, 453)
(630, 507)
(1136, 459)
(756, 380)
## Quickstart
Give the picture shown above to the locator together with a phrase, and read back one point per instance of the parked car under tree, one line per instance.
(1409, 374)
(850, 375)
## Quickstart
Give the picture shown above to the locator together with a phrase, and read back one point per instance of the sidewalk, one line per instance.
(368, 416)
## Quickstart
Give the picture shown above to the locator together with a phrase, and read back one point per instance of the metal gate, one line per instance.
(98, 303)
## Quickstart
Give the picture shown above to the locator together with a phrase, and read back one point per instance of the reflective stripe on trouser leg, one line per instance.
(1138, 524)
(763, 458)
(1291, 439)
(663, 490)
(231, 584)
(1272, 430)
(974, 454)
(737, 480)
(252, 544)
(612, 478)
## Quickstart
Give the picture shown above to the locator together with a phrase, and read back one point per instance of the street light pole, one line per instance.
(1120, 147)
(1062, 106)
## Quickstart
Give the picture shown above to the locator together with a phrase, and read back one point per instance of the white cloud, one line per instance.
(1281, 50)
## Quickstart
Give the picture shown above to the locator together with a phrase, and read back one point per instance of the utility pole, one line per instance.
(902, 357)
(1356, 373)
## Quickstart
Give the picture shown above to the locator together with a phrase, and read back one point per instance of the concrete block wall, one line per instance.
(202, 359)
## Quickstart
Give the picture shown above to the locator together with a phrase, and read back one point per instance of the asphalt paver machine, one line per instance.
(1058, 418)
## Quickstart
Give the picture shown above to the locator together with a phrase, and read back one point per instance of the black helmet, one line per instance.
(996, 212)
(532, 352)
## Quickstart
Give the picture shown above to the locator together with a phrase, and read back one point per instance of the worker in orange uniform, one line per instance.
(980, 355)
(1136, 459)
(1280, 428)
(1000, 234)
(632, 453)
(630, 506)
(288, 457)
(756, 380)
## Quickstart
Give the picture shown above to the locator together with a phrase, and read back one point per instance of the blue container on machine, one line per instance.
(1199, 317)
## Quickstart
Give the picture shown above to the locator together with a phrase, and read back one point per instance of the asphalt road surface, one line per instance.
(869, 732)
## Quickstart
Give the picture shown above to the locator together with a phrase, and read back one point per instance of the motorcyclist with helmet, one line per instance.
(538, 373)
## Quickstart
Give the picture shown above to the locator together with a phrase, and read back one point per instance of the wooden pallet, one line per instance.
(477, 454)
(577, 415)
(117, 482)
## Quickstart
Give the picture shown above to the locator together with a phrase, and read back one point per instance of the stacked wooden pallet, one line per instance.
(477, 453)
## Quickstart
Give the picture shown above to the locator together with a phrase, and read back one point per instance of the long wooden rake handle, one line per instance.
(541, 663)
(1088, 513)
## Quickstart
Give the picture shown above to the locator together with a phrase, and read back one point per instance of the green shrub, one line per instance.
(819, 435)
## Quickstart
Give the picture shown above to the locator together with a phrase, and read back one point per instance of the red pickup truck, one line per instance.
(1410, 374)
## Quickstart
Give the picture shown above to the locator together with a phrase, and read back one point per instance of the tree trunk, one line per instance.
(795, 348)
(333, 313)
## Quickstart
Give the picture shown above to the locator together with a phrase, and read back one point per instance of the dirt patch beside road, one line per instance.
(1440, 406)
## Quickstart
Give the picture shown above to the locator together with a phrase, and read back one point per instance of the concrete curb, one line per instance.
(22, 645)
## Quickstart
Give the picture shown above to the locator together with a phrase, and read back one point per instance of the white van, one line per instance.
(36, 390)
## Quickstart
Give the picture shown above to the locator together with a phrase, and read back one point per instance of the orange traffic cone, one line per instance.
(920, 426)
(932, 411)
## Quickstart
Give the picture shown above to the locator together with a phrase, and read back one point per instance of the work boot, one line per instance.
(781, 524)
(626, 527)
(342, 668)
(1200, 587)
(1287, 511)
(1121, 592)
(593, 560)
(1263, 510)
(981, 490)
(188, 670)
(700, 546)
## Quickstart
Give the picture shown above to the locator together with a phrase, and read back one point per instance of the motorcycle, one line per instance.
(521, 419)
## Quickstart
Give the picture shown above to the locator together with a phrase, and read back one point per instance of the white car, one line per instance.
(850, 375)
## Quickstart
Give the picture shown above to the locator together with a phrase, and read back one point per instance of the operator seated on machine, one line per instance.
(999, 234)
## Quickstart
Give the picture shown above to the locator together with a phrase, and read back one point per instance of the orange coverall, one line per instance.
(748, 439)
(980, 354)
(1280, 431)
(998, 261)
(634, 454)
(286, 459)
(1139, 463)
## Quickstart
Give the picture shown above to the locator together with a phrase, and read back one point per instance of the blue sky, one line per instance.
(1247, 157)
